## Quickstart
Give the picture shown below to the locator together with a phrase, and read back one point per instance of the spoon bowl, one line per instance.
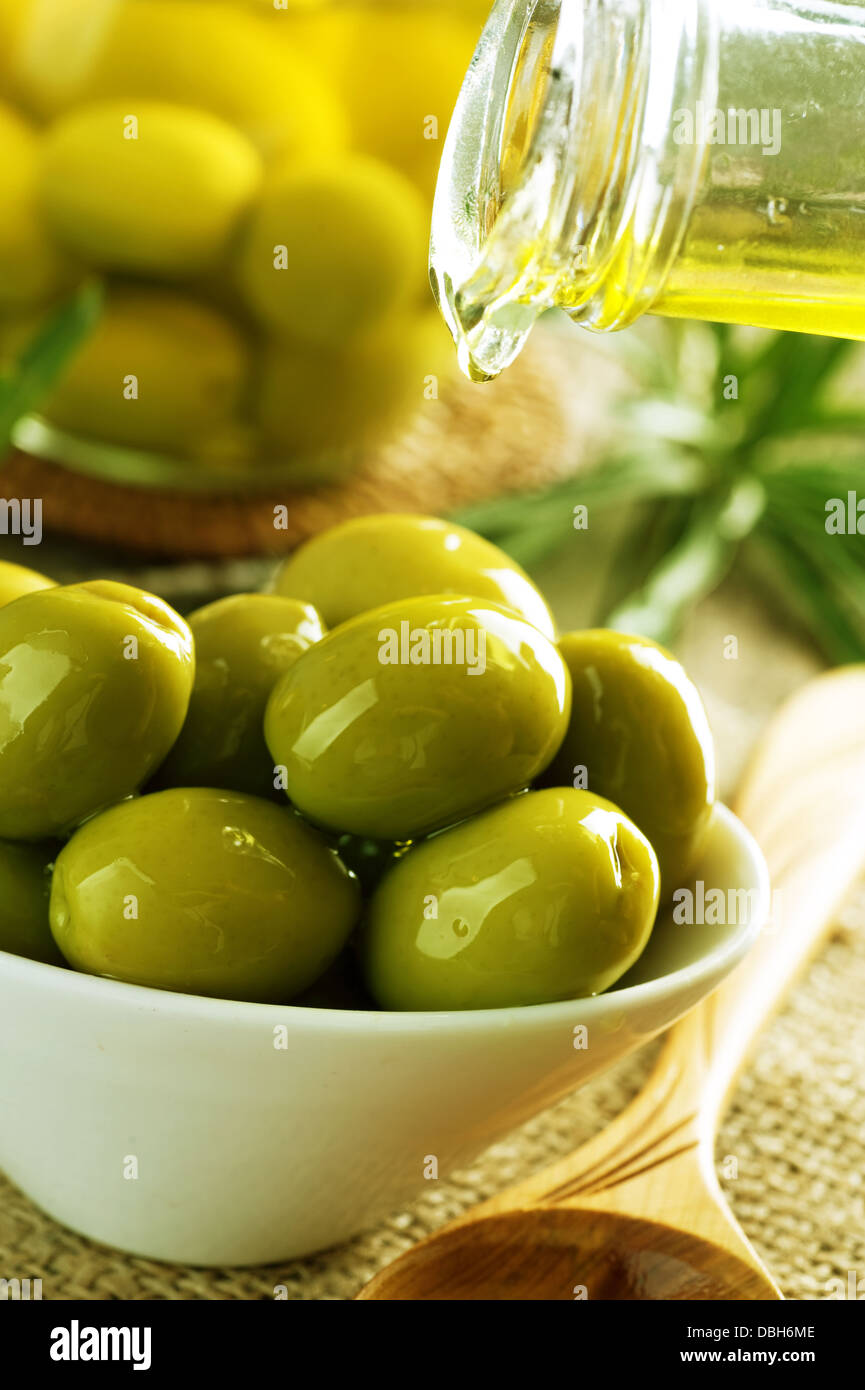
(573, 1254)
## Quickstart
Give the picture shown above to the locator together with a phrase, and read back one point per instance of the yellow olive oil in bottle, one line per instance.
(693, 158)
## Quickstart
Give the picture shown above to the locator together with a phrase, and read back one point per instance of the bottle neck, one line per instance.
(562, 184)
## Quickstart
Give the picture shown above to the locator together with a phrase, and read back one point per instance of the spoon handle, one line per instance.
(803, 798)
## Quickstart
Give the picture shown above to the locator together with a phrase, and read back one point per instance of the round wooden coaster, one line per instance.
(474, 442)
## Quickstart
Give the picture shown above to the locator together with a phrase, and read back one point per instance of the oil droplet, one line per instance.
(777, 212)
(237, 839)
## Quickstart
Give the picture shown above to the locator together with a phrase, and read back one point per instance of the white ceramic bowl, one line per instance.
(249, 1153)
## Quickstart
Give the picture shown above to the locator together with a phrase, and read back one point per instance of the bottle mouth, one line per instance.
(560, 185)
(499, 173)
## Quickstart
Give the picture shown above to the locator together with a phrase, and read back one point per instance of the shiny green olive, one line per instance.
(242, 647)
(190, 363)
(318, 433)
(24, 887)
(551, 895)
(416, 715)
(17, 580)
(94, 686)
(204, 56)
(639, 736)
(203, 892)
(33, 269)
(374, 560)
(332, 248)
(147, 188)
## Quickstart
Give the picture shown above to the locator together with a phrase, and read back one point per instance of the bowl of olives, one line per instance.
(309, 896)
(252, 185)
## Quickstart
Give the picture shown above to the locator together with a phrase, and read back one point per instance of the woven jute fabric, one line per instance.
(796, 1128)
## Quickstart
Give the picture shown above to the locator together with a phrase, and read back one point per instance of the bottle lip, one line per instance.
(597, 163)
(479, 236)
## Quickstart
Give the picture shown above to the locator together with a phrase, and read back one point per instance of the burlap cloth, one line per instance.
(796, 1126)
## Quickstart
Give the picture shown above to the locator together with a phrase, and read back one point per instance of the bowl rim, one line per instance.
(190, 1008)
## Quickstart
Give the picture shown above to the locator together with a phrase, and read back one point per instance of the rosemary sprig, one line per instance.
(797, 586)
(695, 565)
(652, 531)
(713, 482)
(25, 382)
(531, 527)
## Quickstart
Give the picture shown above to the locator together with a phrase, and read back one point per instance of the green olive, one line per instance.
(416, 715)
(551, 895)
(375, 560)
(159, 371)
(332, 247)
(208, 55)
(32, 268)
(24, 888)
(242, 647)
(420, 54)
(639, 736)
(14, 14)
(382, 379)
(146, 187)
(94, 686)
(203, 892)
(17, 580)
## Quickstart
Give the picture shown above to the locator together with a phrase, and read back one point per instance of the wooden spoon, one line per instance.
(637, 1212)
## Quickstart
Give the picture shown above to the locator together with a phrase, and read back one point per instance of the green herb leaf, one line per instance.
(25, 385)
(706, 477)
(694, 566)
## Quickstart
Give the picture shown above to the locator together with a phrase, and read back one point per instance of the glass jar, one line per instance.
(252, 180)
(693, 158)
